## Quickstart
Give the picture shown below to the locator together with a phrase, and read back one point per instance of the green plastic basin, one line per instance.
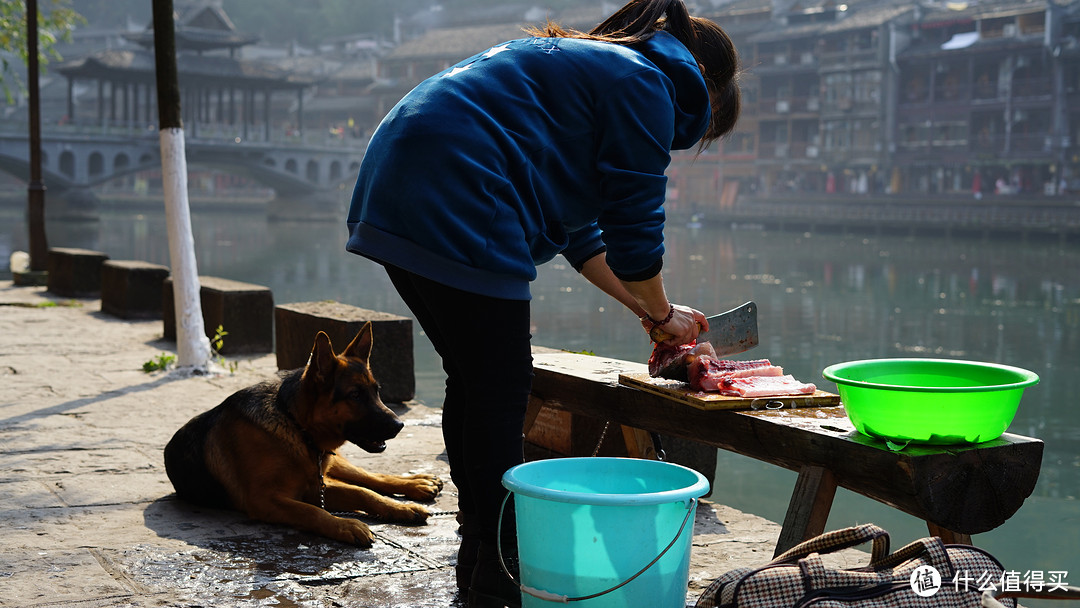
(930, 401)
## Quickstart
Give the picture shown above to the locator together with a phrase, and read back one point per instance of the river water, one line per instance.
(823, 299)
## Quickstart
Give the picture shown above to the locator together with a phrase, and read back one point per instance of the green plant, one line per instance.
(159, 362)
(216, 343)
(219, 339)
(45, 304)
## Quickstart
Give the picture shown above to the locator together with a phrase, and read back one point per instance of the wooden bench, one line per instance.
(957, 490)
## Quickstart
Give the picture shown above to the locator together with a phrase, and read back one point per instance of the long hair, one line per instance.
(710, 45)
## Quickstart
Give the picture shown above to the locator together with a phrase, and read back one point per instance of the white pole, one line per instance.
(192, 345)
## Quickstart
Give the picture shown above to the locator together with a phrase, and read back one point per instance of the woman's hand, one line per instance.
(681, 327)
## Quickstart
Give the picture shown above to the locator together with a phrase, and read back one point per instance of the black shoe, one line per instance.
(466, 560)
(491, 586)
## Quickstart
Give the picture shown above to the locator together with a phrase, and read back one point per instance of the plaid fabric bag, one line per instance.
(925, 573)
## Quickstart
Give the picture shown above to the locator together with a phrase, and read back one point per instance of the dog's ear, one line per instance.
(360, 347)
(323, 360)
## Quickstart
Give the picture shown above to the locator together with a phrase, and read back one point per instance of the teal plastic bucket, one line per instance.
(586, 525)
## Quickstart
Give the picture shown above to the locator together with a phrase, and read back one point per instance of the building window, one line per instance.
(837, 90)
(837, 136)
(865, 135)
(949, 133)
(866, 40)
(868, 87)
(985, 82)
(916, 88)
(739, 144)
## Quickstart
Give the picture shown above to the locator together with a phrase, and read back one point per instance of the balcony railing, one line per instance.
(788, 105)
(997, 144)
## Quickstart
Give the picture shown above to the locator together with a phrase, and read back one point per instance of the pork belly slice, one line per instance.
(765, 386)
(706, 373)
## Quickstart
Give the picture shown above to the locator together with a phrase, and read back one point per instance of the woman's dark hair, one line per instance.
(708, 43)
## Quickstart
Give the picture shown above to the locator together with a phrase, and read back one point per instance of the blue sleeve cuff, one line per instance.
(579, 263)
(584, 244)
(643, 275)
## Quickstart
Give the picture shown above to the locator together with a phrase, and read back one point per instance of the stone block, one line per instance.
(30, 278)
(74, 273)
(296, 325)
(244, 310)
(131, 289)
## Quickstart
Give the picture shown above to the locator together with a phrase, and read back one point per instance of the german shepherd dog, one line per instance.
(268, 449)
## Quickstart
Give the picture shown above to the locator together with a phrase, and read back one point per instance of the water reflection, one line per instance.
(822, 299)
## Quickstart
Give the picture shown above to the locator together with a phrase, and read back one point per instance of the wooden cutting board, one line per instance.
(681, 392)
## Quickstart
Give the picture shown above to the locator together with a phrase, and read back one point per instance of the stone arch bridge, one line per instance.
(308, 180)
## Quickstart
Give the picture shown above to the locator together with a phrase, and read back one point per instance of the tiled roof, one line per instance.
(204, 66)
(199, 25)
(983, 9)
(455, 44)
(868, 17)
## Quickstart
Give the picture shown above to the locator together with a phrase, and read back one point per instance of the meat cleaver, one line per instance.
(730, 333)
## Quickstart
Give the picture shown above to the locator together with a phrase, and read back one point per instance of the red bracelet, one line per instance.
(670, 314)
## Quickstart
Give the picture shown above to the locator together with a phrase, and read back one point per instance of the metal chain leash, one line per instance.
(658, 445)
(603, 435)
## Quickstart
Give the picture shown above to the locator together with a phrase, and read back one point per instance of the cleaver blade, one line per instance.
(732, 332)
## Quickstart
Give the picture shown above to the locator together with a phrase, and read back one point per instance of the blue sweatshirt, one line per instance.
(533, 148)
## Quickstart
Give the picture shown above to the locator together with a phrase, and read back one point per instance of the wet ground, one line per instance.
(90, 518)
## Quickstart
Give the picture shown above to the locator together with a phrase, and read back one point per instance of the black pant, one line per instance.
(484, 344)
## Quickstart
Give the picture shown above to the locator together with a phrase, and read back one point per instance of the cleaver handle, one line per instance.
(730, 332)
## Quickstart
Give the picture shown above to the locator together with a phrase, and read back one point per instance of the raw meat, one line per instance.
(672, 362)
(765, 386)
(706, 372)
(699, 365)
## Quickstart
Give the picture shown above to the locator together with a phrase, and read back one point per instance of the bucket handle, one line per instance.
(562, 599)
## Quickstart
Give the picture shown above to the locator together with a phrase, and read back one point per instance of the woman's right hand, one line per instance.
(682, 328)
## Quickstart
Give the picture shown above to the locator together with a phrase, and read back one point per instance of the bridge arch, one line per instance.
(95, 164)
(67, 163)
(79, 161)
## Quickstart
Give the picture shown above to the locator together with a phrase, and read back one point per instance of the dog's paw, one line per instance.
(407, 513)
(353, 531)
(422, 487)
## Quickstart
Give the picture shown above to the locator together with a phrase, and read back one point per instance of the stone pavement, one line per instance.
(89, 517)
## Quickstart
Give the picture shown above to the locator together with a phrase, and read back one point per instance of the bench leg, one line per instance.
(639, 443)
(808, 511)
(948, 536)
(532, 410)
